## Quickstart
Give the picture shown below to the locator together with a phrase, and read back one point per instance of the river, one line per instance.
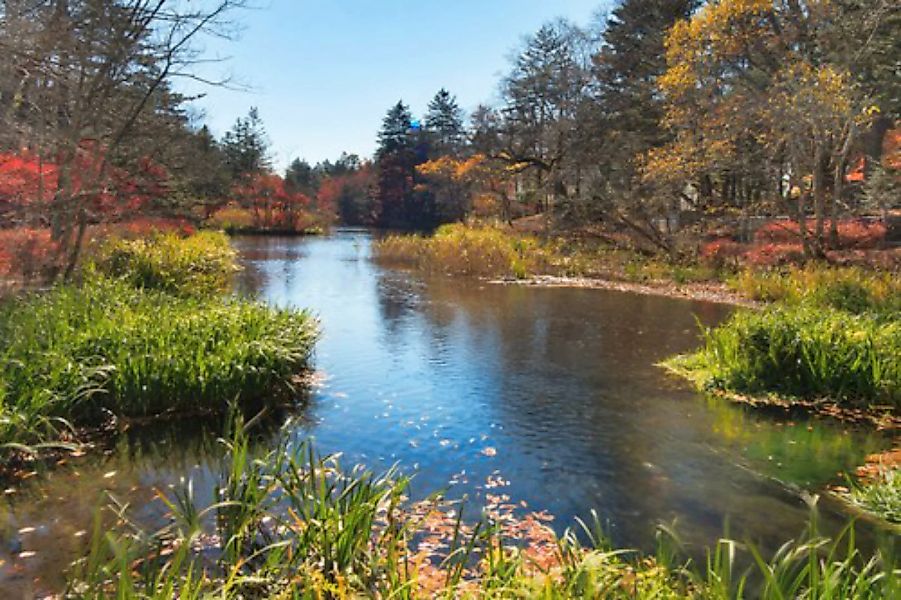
(552, 390)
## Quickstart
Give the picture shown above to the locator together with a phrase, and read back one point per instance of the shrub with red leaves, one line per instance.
(852, 233)
(774, 254)
(26, 253)
(722, 253)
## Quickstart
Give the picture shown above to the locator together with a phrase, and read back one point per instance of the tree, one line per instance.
(246, 146)
(396, 162)
(79, 79)
(541, 99)
(444, 123)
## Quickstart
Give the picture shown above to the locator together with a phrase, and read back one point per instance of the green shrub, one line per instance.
(881, 496)
(803, 351)
(80, 353)
(199, 265)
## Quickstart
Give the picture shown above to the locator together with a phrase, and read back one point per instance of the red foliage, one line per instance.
(273, 206)
(722, 252)
(26, 252)
(852, 233)
(27, 182)
(774, 254)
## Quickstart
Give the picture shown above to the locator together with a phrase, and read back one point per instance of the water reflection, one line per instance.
(555, 389)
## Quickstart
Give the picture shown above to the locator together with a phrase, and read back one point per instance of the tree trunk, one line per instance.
(819, 199)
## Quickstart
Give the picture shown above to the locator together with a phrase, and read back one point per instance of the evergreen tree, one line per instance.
(395, 136)
(444, 122)
(300, 176)
(397, 157)
(628, 108)
(246, 146)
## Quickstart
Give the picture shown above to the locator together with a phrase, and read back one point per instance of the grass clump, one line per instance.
(291, 524)
(879, 495)
(801, 351)
(477, 250)
(199, 265)
(851, 289)
(81, 353)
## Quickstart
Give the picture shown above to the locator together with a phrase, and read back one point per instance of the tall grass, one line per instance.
(292, 524)
(804, 351)
(851, 289)
(81, 354)
(201, 264)
(464, 249)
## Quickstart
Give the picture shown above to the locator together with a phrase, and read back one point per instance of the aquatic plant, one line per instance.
(85, 353)
(464, 249)
(293, 524)
(200, 264)
(804, 351)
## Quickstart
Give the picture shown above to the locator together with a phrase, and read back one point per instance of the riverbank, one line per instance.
(148, 333)
(292, 523)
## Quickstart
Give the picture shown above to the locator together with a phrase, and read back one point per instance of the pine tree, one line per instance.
(397, 158)
(444, 123)
(246, 146)
(395, 135)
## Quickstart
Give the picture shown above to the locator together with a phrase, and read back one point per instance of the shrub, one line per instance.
(852, 233)
(81, 353)
(803, 351)
(722, 253)
(201, 264)
(26, 253)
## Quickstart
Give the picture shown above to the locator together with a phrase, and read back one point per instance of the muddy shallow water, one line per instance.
(556, 390)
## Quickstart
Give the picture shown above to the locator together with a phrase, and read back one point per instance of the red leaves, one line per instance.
(272, 204)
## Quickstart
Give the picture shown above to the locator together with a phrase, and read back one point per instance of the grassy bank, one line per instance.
(144, 334)
(293, 525)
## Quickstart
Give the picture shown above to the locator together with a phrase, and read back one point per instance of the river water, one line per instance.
(553, 390)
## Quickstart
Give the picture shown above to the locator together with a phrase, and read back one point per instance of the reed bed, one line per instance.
(199, 265)
(805, 352)
(78, 355)
(464, 249)
(292, 524)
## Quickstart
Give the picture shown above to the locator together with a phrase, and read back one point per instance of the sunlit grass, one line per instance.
(805, 351)
(292, 524)
(200, 264)
(105, 348)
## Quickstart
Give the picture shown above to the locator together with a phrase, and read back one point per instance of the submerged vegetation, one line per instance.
(150, 337)
(292, 524)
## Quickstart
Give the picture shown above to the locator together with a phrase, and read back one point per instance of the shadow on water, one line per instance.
(551, 391)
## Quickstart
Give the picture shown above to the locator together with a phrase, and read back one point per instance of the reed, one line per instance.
(77, 355)
(293, 524)
(200, 265)
(804, 352)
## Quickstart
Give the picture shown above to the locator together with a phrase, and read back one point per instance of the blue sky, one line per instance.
(324, 72)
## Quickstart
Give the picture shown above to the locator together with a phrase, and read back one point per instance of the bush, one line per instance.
(81, 353)
(722, 254)
(803, 351)
(199, 265)
(26, 253)
(852, 233)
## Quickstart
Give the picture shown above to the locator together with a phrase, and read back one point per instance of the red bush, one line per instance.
(722, 252)
(852, 233)
(26, 252)
(772, 255)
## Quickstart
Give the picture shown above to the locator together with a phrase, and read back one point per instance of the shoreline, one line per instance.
(702, 292)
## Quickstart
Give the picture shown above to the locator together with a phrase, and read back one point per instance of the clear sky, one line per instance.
(324, 72)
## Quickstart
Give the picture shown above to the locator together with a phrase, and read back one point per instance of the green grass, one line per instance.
(802, 351)
(851, 289)
(291, 524)
(79, 354)
(881, 496)
(199, 265)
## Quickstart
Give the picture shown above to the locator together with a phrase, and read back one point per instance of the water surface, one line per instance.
(554, 389)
